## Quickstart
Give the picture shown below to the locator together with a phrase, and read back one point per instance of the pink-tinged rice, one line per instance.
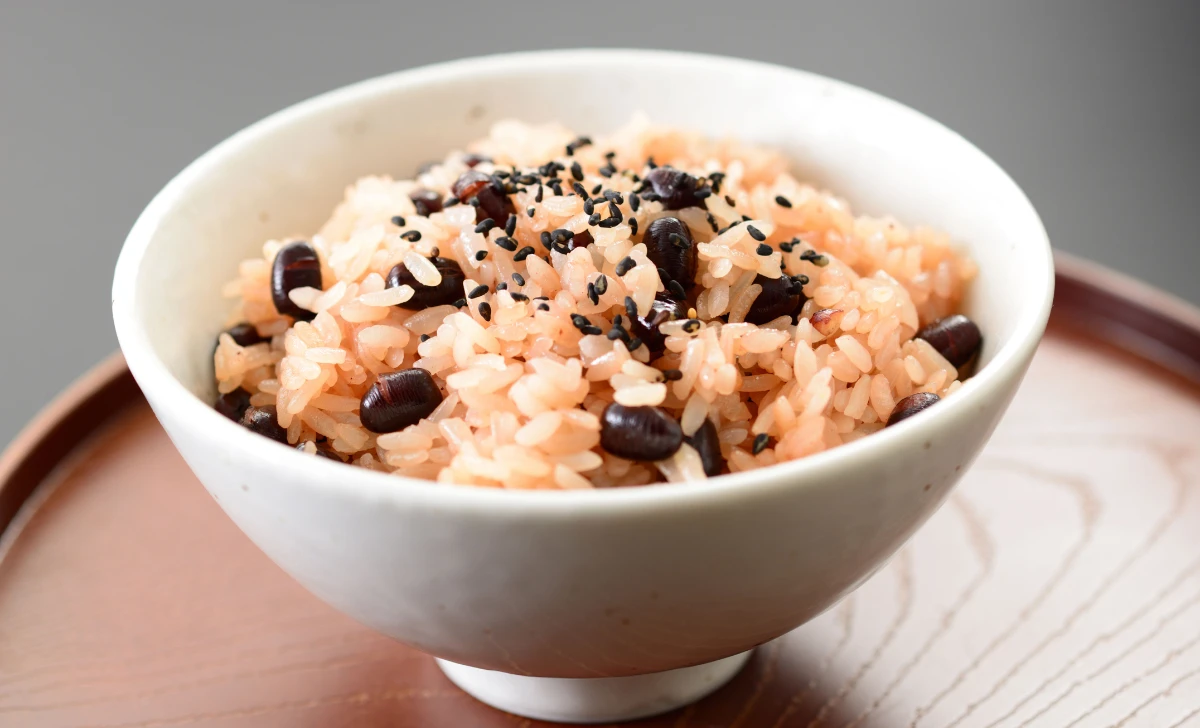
(525, 390)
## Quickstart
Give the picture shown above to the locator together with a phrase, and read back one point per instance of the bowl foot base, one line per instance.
(594, 700)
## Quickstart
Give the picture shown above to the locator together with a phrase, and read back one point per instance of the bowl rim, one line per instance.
(152, 373)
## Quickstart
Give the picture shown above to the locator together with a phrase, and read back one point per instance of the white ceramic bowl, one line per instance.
(582, 584)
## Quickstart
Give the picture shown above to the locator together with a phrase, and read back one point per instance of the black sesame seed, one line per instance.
(547, 240)
(676, 290)
(815, 258)
(480, 255)
(662, 276)
(296, 265)
(412, 236)
(592, 295)
(517, 296)
(538, 197)
(782, 201)
(634, 344)
(633, 226)
(602, 284)
(594, 218)
(625, 265)
(483, 227)
(787, 247)
(712, 221)
(460, 303)
(702, 193)
(616, 332)
(597, 188)
(760, 442)
(746, 218)
(643, 434)
(451, 202)
(672, 375)
(588, 207)
(510, 227)
(501, 286)
(634, 202)
(609, 222)
(543, 307)
(755, 233)
(399, 221)
(530, 211)
(579, 320)
(630, 307)
(518, 278)
(691, 325)
(398, 400)
(477, 291)
(577, 171)
(764, 249)
(730, 201)
(424, 338)
(591, 330)
(650, 163)
(507, 243)
(579, 190)
(523, 253)
(485, 311)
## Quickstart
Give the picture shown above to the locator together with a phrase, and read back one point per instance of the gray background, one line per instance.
(1093, 106)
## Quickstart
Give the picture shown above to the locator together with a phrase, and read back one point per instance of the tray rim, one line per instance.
(35, 453)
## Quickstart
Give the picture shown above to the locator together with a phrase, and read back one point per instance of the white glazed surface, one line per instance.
(583, 583)
(594, 700)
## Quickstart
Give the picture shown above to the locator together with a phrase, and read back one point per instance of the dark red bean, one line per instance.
(955, 337)
(580, 240)
(264, 421)
(323, 451)
(489, 193)
(245, 334)
(708, 445)
(662, 309)
(911, 405)
(669, 246)
(783, 296)
(233, 404)
(398, 400)
(675, 189)
(296, 266)
(448, 291)
(639, 433)
(427, 202)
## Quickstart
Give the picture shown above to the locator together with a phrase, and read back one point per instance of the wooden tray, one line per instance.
(1060, 585)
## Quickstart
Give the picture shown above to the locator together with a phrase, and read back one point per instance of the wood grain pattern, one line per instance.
(1060, 586)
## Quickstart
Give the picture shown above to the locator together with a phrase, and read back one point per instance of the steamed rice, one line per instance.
(524, 388)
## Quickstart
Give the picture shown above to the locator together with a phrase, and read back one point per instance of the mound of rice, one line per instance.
(525, 387)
